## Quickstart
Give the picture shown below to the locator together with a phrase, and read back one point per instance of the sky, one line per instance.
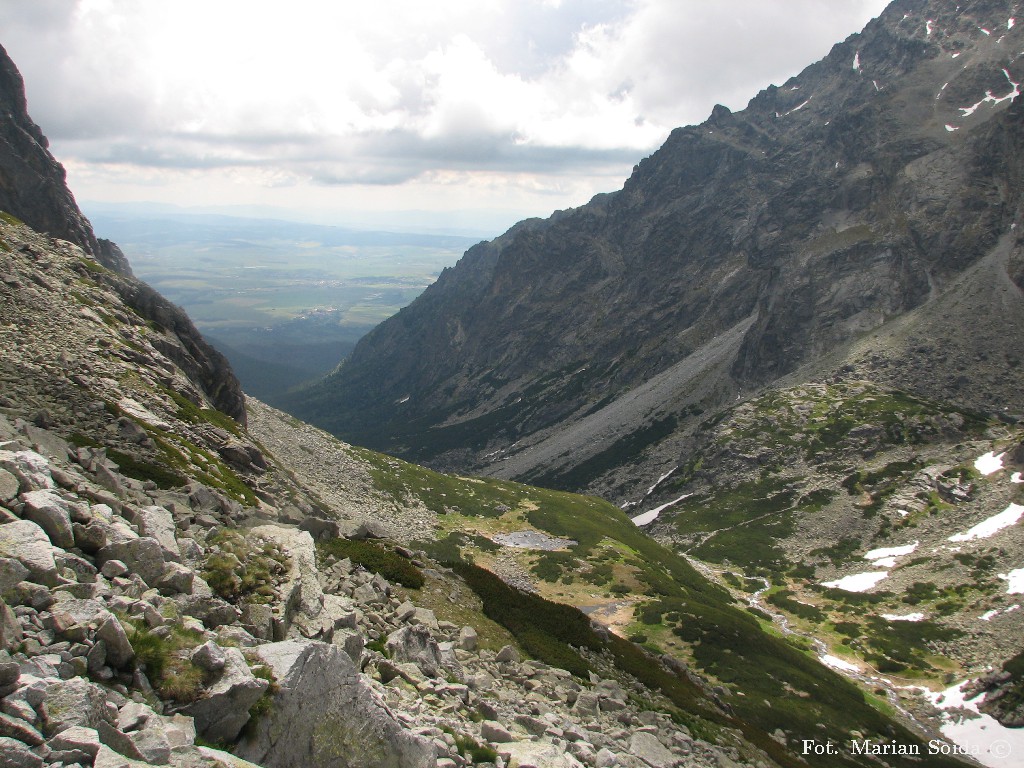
(475, 112)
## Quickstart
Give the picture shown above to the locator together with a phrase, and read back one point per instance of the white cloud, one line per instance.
(325, 93)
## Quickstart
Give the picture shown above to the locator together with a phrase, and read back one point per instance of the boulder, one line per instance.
(14, 754)
(647, 747)
(224, 708)
(74, 702)
(157, 523)
(300, 591)
(27, 543)
(324, 715)
(538, 754)
(415, 644)
(143, 555)
(118, 648)
(51, 513)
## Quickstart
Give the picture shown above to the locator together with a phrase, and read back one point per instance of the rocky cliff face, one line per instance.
(33, 190)
(747, 248)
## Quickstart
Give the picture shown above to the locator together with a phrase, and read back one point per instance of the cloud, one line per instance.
(386, 92)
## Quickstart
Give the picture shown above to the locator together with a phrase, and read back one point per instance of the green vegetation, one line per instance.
(143, 470)
(166, 662)
(376, 558)
(240, 571)
(191, 413)
(10, 219)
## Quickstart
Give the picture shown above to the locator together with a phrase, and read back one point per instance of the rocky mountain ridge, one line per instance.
(836, 223)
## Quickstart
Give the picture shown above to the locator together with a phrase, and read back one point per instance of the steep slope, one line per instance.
(745, 248)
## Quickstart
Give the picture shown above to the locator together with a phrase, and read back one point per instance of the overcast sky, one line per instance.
(516, 106)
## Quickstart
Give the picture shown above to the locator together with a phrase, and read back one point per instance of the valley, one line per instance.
(284, 301)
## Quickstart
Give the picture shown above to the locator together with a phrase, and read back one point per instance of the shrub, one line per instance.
(375, 558)
(239, 570)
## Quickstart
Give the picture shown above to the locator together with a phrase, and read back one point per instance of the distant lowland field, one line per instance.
(284, 301)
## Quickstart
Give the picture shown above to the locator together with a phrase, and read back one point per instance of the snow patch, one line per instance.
(857, 582)
(992, 525)
(856, 62)
(929, 25)
(980, 735)
(403, 400)
(989, 463)
(989, 615)
(985, 32)
(652, 515)
(951, 128)
(837, 663)
(906, 617)
(1016, 478)
(875, 554)
(1010, 22)
(798, 107)
(1016, 581)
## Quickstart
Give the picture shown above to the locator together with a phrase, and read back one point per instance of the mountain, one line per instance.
(191, 578)
(860, 220)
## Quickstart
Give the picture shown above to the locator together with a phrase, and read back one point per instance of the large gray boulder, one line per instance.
(26, 542)
(324, 716)
(415, 645)
(224, 709)
(51, 513)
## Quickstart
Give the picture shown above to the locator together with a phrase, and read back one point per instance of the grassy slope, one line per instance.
(775, 685)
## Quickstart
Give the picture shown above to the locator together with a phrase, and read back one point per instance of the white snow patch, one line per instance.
(798, 107)
(951, 128)
(885, 562)
(928, 26)
(955, 55)
(902, 512)
(1010, 22)
(875, 83)
(992, 525)
(856, 62)
(989, 463)
(906, 549)
(403, 400)
(979, 735)
(652, 515)
(857, 582)
(906, 617)
(1016, 478)
(1016, 581)
(837, 663)
(985, 31)
(989, 615)
(1012, 608)
(659, 481)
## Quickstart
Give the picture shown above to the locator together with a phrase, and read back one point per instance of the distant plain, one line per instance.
(284, 301)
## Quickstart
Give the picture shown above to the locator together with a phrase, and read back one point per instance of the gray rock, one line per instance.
(415, 644)
(495, 732)
(177, 579)
(16, 728)
(52, 514)
(74, 702)
(26, 542)
(31, 469)
(143, 555)
(323, 714)
(8, 485)
(209, 657)
(467, 639)
(11, 572)
(14, 754)
(119, 649)
(300, 591)
(157, 523)
(507, 654)
(77, 738)
(647, 747)
(224, 708)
